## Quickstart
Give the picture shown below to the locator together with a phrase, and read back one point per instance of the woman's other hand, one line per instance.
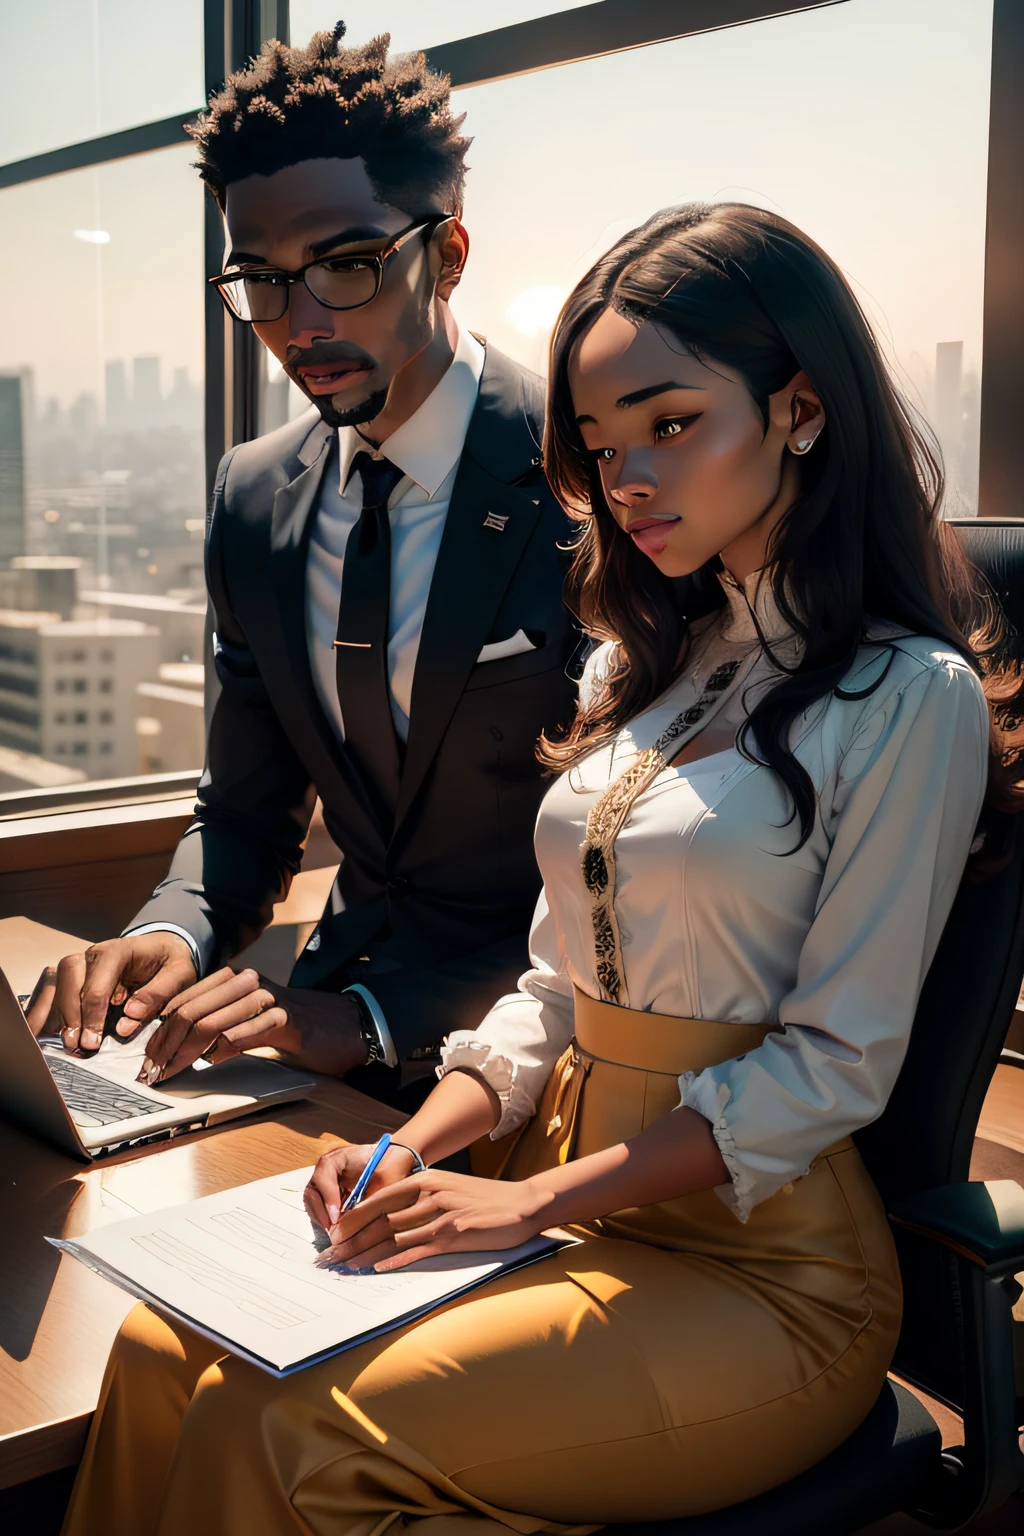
(432, 1213)
(337, 1173)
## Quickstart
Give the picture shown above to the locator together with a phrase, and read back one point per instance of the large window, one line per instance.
(102, 484)
(76, 69)
(866, 122)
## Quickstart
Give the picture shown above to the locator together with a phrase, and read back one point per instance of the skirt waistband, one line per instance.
(659, 1042)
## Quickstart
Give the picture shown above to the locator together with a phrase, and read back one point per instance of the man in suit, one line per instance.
(385, 575)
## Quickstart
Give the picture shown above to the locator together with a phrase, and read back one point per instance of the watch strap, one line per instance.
(380, 1047)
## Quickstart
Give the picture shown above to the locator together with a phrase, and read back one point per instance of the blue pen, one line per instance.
(368, 1172)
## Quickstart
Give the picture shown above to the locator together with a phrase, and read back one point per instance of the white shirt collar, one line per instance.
(428, 446)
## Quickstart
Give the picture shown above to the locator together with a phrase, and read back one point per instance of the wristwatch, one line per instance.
(380, 1048)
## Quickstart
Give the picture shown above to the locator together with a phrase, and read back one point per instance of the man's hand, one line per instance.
(233, 1011)
(143, 971)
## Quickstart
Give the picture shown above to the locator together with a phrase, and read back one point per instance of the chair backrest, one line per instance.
(926, 1134)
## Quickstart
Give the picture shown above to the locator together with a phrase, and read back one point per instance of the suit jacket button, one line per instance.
(397, 887)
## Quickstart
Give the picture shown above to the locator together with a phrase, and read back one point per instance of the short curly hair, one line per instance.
(294, 104)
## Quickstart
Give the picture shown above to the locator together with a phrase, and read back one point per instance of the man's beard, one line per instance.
(340, 352)
(366, 410)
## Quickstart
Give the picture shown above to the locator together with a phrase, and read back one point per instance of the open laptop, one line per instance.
(92, 1106)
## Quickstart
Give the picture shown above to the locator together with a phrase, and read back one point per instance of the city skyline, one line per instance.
(865, 123)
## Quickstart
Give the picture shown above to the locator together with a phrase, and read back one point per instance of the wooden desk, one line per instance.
(57, 1319)
(26, 948)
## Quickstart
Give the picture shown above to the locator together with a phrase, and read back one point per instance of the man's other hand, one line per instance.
(143, 971)
(233, 1011)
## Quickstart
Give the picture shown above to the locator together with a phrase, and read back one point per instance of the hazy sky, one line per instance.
(100, 65)
(865, 122)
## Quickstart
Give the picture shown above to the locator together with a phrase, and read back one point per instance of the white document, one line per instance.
(240, 1267)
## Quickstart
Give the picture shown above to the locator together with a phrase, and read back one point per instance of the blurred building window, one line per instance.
(91, 67)
(864, 123)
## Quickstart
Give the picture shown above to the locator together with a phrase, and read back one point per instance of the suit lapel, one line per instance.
(488, 526)
(291, 526)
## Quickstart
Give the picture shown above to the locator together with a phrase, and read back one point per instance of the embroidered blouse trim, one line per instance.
(608, 816)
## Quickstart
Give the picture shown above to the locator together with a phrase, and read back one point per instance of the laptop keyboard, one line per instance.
(92, 1100)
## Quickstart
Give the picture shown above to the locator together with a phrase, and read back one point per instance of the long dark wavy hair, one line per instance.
(864, 540)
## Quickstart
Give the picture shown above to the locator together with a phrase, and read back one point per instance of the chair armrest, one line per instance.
(982, 1222)
(982, 1227)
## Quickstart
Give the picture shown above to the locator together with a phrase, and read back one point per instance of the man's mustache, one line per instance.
(330, 352)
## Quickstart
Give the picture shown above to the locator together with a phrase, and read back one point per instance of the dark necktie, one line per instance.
(361, 649)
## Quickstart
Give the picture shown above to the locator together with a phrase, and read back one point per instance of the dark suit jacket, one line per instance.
(441, 906)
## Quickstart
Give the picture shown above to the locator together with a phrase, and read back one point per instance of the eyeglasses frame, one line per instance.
(222, 280)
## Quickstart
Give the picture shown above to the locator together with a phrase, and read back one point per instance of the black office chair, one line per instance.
(959, 1243)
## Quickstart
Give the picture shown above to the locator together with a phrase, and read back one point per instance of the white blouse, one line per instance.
(719, 919)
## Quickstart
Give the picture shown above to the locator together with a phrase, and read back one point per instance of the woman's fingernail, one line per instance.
(334, 1211)
(150, 1073)
(89, 1040)
(135, 1009)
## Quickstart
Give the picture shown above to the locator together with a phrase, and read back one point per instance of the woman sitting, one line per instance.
(764, 808)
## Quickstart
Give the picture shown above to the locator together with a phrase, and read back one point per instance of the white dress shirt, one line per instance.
(427, 448)
(719, 919)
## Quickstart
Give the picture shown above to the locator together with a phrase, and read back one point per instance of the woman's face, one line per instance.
(687, 467)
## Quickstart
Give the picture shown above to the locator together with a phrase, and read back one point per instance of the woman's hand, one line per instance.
(432, 1213)
(336, 1175)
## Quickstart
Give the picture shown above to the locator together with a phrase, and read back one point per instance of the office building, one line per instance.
(117, 402)
(21, 771)
(178, 621)
(44, 583)
(68, 688)
(12, 467)
(170, 723)
(949, 364)
(146, 397)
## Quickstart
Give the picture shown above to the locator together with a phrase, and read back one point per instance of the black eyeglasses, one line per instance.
(259, 295)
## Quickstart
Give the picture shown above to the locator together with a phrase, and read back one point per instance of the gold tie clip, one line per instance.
(356, 645)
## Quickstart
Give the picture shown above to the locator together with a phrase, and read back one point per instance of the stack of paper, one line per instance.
(240, 1267)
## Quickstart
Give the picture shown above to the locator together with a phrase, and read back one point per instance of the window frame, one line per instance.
(235, 29)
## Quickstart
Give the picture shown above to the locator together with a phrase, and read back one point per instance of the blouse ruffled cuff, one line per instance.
(709, 1098)
(463, 1048)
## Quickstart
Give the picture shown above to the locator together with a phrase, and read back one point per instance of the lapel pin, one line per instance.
(493, 520)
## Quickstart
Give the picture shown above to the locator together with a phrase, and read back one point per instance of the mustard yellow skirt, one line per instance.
(676, 1361)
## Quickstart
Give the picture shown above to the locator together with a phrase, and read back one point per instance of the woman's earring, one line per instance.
(804, 445)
